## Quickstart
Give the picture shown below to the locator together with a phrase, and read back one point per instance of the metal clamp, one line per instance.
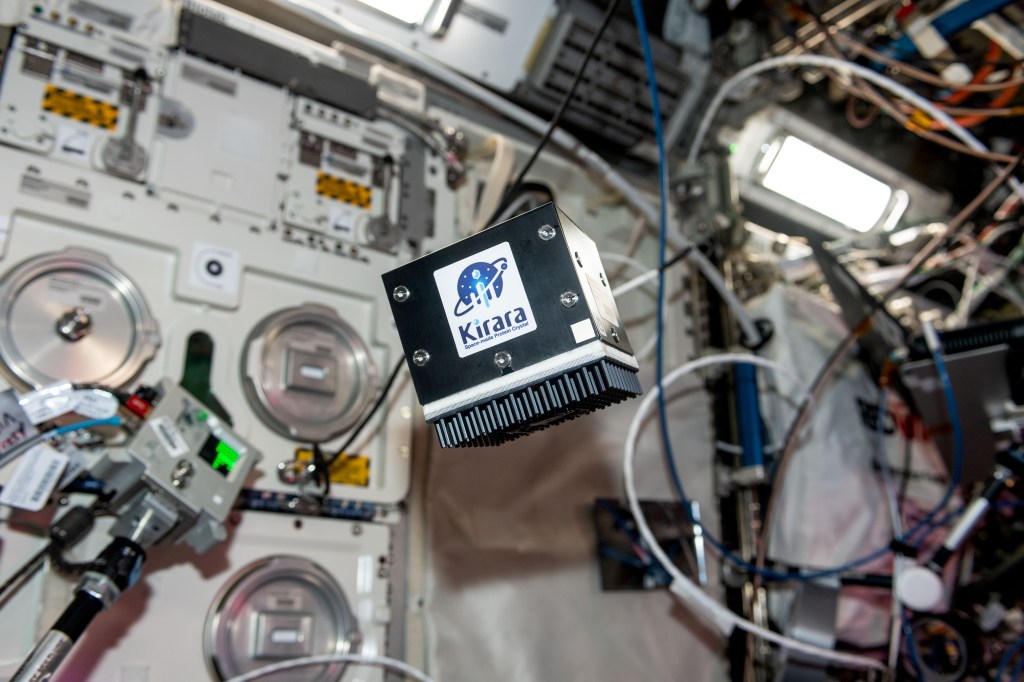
(294, 472)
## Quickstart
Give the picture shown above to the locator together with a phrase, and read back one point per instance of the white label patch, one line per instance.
(343, 219)
(583, 331)
(215, 268)
(73, 142)
(95, 404)
(49, 402)
(35, 478)
(169, 436)
(484, 300)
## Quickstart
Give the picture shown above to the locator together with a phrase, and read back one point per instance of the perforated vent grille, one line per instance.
(539, 406)
(611, 100)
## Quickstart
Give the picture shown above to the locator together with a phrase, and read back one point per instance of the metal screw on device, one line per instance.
(546, 232)
(182, 474)
(400, 294)
(569, 299)
(420, 358)
(502, 359)
(74, 324)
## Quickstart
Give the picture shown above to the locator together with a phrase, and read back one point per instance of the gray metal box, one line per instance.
(511, 330)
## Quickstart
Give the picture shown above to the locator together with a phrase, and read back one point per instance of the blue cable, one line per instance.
(958, 438)
(620, 522)
(659, 136)
(621, 557)
(1007, 656)
(645, 43)
(1017, 670)
(947, 24)
(87, 424)
(915, 658)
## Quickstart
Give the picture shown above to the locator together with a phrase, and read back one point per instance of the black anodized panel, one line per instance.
(547, 270)
(213, 40)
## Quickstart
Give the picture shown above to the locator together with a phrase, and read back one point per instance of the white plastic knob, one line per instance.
(921, 589)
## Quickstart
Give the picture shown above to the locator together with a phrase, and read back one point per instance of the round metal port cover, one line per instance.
(73, 315)
(307, 373)
(279, 608)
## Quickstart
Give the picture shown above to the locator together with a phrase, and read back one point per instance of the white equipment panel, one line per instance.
(257, 203)
(65, 99)
(164, 628)
(234, 236)
(240, 125)
(272, 275)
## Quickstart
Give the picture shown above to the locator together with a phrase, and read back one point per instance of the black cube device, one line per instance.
(511, 330)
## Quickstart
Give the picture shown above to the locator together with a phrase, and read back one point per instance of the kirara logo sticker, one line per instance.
(491, 307)
(479, 284)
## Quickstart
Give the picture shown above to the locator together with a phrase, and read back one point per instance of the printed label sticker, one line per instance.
(35, 477)
(168, 435)
(485, 300)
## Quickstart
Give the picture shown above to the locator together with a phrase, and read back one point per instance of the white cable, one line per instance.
(969, 299)
(625, 260)
(734, 449)
(569, 144)
(842, 66)
(994, 280)
(635, 283)
(514, 209)
(382, 661)
(501, 172)
(682, 586)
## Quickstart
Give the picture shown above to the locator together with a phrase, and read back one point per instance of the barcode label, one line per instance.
(169, 436)
(35, 477)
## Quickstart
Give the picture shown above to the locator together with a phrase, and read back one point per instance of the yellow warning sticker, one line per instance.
(344, 190)
(346, 470)
(79, 107)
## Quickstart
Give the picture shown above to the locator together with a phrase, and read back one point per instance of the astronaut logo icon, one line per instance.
(492, 306)
(479, 284)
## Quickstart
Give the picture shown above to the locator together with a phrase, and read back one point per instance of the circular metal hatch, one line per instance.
(307, 374)
(279, 608)
(73, 315)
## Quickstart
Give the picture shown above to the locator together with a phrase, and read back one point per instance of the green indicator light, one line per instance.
(202, 415)
(226, 457)
(733, 147)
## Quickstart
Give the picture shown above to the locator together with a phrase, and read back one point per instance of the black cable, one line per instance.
(559, 112)
(321, 470)
(369, 415)
(678, 257)
(23, 573)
